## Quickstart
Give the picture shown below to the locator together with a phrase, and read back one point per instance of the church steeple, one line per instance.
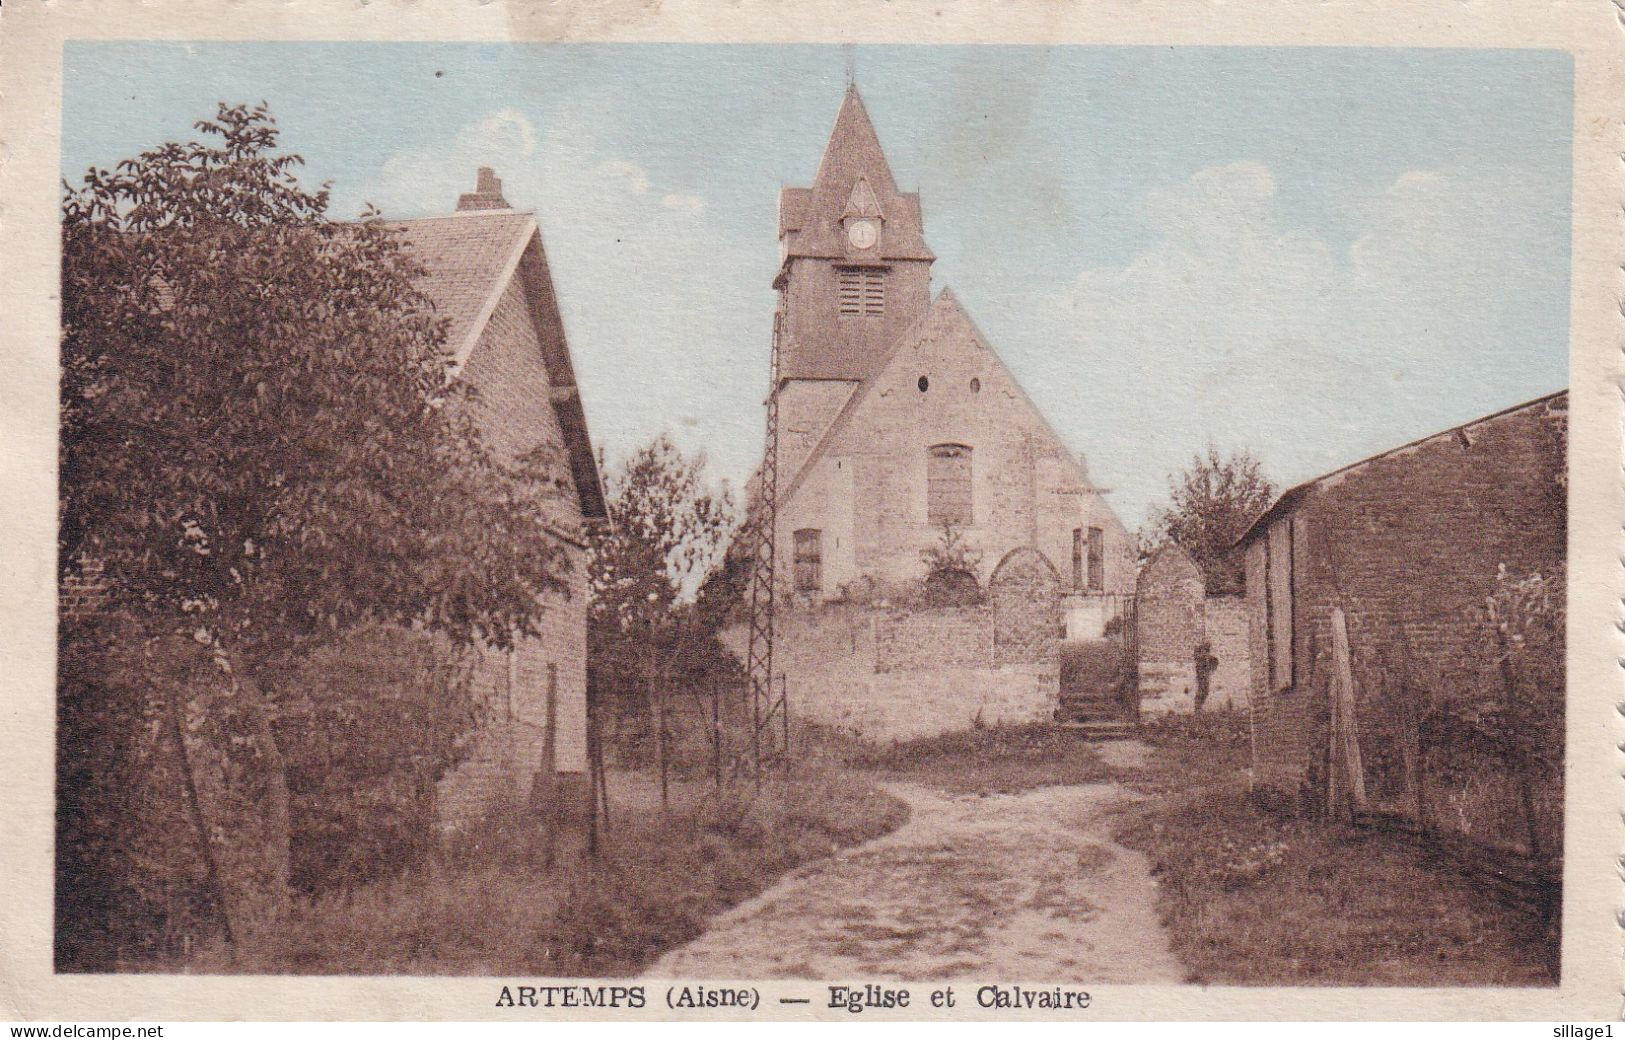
(856, 268)
(853, 149)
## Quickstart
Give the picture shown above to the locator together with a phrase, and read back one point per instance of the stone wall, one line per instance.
(891, 674)
(941, 639)
(1173, 617)
(1226, 625)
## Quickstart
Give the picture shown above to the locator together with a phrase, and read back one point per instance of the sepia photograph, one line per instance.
(638, 522)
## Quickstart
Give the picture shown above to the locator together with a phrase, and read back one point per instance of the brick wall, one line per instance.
(1409, 545)
(933, 640)
(1168, 609)
(1173, 616)
(516, 416)
(1025, 594)
(887, 674)
(1225, 621)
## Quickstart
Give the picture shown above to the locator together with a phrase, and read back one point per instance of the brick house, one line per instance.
(487, 274)
(1408, 543)
(896, 415)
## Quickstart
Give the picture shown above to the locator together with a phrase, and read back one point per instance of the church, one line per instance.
(897, 420)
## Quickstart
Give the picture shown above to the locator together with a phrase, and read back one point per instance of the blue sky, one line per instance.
(1313, 253)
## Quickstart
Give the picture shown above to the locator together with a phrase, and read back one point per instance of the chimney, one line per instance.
(487, 193)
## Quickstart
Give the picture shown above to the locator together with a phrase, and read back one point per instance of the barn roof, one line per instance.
(470, 257)
(1293, 495)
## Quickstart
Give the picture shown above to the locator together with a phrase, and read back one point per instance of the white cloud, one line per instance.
(620, 246)
(630, 175)
(684, 203)
(1236, 327)
(428, 180)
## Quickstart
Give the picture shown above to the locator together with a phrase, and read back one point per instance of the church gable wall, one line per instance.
(806, 408)
(1025, 490)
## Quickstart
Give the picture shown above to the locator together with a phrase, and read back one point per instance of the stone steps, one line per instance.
(1102, 729)
(1094, 718)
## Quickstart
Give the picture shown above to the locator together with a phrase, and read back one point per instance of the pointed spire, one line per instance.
(854, 150)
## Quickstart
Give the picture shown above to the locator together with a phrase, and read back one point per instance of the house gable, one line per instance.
(477, 260)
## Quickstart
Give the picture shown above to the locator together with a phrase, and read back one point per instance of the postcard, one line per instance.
(849, 512)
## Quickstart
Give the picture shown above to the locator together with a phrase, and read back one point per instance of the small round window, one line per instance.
(924, 384)
(975, 385)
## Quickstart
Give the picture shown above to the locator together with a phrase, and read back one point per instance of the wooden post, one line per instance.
(716, 732)
(592, 777)
(596, 748)
(784, 709)
(550, 767)
(1346, 768)
(1521, 764)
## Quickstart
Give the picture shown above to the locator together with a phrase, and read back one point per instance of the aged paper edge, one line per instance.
(32, 34)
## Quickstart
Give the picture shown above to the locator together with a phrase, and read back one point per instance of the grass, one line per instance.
(1000, 759)
(1252, 897)
(496, 909)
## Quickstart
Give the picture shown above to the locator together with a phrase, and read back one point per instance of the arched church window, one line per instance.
(948, 484)
(809, 560)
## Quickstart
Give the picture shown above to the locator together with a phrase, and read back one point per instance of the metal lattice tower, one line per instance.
(767, 702)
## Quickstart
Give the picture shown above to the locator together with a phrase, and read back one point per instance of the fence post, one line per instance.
(1346, 766)
(784, 709)
(716, 732)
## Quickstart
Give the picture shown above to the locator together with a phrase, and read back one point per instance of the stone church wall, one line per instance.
(888, 674)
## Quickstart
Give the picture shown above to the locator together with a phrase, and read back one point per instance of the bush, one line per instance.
(154, 752)
(367, 728)
(661, 876)
(1214, 729)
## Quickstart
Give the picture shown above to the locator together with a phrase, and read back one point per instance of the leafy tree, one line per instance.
(648, 630)
(950, 570)
(262, 441)
(1210, 505)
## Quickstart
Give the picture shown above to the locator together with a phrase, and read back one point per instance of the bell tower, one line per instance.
(855, 274)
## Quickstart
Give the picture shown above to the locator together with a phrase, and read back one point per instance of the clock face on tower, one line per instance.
(862, 234)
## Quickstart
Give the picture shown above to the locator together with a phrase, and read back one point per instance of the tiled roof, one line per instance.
(469, 257)
(466, 255)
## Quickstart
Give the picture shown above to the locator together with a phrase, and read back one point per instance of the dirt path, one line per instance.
(1024, 887)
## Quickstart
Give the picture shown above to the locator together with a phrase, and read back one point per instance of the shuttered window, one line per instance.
(1097, 560)
(948, 484)
(1278, 602)
(862, 291)
(1078, 572)
(809, 560)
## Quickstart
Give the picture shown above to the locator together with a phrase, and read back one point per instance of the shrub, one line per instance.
(367, 727)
